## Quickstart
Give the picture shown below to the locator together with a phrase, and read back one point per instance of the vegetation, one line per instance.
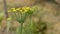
(34, 17)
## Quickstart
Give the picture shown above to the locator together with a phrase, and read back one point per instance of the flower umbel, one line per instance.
(21, 13)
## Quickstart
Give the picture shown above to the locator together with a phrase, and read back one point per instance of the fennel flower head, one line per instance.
(21, 10)
(20, 14)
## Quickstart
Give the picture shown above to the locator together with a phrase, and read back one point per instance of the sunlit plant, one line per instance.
(20, 14)
(1, 17)
(9, 22)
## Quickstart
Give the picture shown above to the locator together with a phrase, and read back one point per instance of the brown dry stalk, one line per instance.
(5, 8)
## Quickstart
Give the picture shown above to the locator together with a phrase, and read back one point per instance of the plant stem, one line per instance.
(30, 25)
(30, 22)
(5, 7)
(21, 28)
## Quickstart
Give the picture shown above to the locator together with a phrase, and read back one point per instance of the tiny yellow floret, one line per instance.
(14, 10)
(27, 8)
(18, 8)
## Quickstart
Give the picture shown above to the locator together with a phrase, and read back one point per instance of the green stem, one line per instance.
(30, 25)
(8, 25)
(21, 25)
(30, 22)
(21, 28)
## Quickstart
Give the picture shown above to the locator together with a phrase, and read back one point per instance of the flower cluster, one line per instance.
(21, 10)
(20, 14)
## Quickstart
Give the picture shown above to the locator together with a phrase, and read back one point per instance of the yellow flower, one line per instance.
(14, 10)
(21, 11)
(18, 8)
(24, 10)
(27, 8)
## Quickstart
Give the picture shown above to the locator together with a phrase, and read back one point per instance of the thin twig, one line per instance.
(5, 8)
(6, 14)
